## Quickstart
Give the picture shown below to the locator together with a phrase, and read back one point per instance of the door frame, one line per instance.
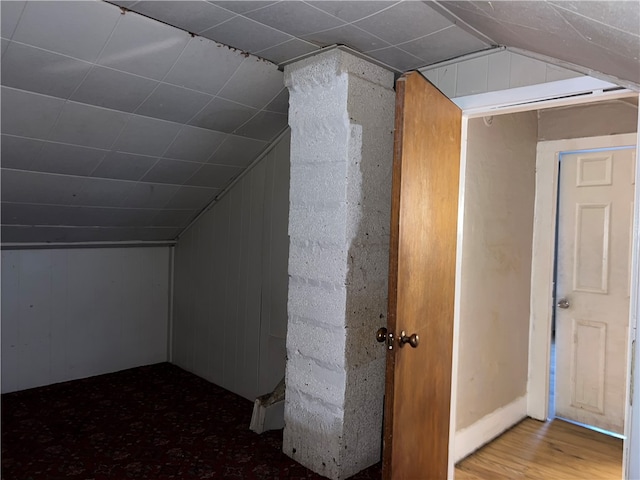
(537, 97)
(544, 254)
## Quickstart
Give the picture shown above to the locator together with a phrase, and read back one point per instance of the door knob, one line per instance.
(383, 336)
(563, 303)
(412, 340)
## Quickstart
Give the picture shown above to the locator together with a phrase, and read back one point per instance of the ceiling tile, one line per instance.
(348, 35)
(416, 18)
(28, 114)
(150, 195)
(21, 234)
(533, 14)
(444, 45)
(621, 15)
(113, 89)
(223, 116)
(192, 197)
(69, 159)
(19, 152)
(99, 192)
(264, 126)
(288, 50)
(29, 214)
(280, 104)
(242, 6)
(123, 217)
(4, 45)
(238, 151)
(124, 3)
(216, 176)
(33, 214)
(173, 218)
(294, 18)
(86, 27)
(35, 187)
(245, 34)
(350, 11)
(192, 16)
(36, 70)
(172, 103)
(195, 144)
(88, 125)
(396, 58)
(143, 46)
(175, 172)
(146, 136)
(241, 87)
(9, 15)
(124, 166)
(205, 66)
(595, 32)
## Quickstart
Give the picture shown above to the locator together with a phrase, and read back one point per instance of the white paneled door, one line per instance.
(592, 291)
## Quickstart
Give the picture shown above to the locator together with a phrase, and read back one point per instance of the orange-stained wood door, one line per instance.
(422, 263)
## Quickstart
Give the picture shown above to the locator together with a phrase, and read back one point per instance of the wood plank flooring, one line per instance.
(554, 450)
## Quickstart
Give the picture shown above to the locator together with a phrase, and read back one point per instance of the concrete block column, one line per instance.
(341, 115)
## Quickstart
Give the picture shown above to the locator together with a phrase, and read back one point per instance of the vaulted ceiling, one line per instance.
(121, 122)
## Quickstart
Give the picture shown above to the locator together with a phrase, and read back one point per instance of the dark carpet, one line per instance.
(155, 422)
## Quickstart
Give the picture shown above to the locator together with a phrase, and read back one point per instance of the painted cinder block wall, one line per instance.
(341, 115)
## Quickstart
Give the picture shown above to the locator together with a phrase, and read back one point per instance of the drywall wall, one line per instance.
(75, 313)
(496, 265)
(230, 302)
(589, 120)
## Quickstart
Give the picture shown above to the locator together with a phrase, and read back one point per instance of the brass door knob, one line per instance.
(383, 336)
(412, 340)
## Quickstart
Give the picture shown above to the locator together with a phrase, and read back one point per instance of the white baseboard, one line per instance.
(469, 439)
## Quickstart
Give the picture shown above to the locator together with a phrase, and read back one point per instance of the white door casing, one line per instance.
(542, 275)
(593, 259)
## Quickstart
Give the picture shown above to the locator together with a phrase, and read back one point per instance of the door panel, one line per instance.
(421, 280)
(594, 241)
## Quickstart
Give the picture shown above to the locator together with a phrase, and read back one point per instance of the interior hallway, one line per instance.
(545, 450)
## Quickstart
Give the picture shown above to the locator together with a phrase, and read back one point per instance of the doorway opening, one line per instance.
(492, 345)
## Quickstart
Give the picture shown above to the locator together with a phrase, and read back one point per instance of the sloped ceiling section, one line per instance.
(120, 125)
(602, 36)
(117, 127)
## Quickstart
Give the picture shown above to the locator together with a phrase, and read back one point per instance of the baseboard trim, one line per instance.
(471, 438)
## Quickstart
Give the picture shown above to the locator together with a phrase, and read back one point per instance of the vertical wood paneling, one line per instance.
(225, 276)
(69, 314)
(493, 72)
(10, 296)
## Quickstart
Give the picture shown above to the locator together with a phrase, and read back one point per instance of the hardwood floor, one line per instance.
(554, 450)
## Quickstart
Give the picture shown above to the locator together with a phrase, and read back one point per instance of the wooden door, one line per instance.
(424, 215)
(592, 312)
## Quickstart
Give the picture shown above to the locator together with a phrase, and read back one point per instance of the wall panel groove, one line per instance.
(75, 313)
(231, 283)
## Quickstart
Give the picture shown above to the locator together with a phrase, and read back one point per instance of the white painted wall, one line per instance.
(75, 313)
(230, 302)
